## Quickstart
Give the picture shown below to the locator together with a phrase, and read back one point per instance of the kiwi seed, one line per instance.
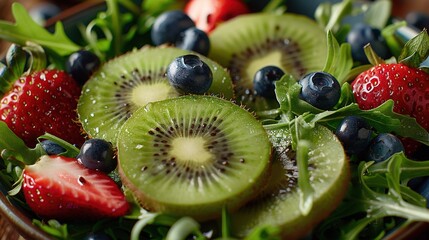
(192, 156)
(278, 204)
(247, 43)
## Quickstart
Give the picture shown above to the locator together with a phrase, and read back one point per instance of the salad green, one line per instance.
(378, 192)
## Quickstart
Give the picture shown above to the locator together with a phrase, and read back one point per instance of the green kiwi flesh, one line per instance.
(130, 81)
(193, 155)
(249, 42)
(279, 204)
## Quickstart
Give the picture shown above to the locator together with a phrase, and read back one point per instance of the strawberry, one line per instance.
(406, 86)
(44, 101)
(403, 82)
(58, 187)
(207, 14)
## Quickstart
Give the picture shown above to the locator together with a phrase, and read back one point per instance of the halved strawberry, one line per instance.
(58, 187)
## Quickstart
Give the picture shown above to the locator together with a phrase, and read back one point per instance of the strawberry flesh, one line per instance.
(57, 187)
(44, 101)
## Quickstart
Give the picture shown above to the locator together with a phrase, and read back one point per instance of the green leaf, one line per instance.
(306, 191)
(378, 13)
(9, 141)
(416, 50)
(53, 228)
(339, 61)
(182, 228)
(338, 12)
(26, 29)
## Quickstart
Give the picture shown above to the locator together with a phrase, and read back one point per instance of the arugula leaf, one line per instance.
(339, 61)
(16, 146)
(416, 50)
(378, 13)
(382, 118)
(26, 29)
(53, 227)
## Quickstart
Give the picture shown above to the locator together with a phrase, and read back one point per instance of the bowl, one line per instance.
(20, 219)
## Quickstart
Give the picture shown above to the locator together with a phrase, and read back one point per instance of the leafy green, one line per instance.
(377, 14)
(416, 50)
(382, 118)
(26, 28)
(339, 61)
(367, 195)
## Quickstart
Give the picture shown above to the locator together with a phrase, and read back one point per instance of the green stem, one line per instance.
(113, 9)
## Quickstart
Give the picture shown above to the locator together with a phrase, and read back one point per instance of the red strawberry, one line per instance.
(408, 87)
(44, 101)
(57, 187)
(207, 14)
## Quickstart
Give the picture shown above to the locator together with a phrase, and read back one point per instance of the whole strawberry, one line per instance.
(406, 86)
(403, 82)
(44, 101)
(58, 187)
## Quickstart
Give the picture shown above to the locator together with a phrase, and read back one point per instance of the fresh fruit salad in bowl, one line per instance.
(215, 120)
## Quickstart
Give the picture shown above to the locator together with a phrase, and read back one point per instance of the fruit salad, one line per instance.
(217, 120)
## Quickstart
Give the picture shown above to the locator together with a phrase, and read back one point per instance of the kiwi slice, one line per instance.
(193, 155)
(247, 43)
(130, 81)
(278, 205)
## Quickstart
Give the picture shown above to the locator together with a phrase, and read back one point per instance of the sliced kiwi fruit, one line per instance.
(193, 155)
(130, 81)
(247, 43)
(278, 205)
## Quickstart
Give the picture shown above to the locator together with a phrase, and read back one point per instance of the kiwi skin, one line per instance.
(283, 211)
(203, 204)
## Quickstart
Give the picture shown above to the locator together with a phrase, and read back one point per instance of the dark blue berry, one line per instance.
(81, 65)
(52, 148)
(383, 146)
(320, 89)
(97, 236)
(97, 154)
(189, 74)
(362, 34)
(194, 39)
(264, 81)
(419, 20)
(423, 189)
(354, 133)
(168, 26)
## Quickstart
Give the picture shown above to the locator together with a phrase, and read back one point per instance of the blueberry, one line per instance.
(168, 26)
(320, 89)
(362, 34)
(194, 39)
(264, 81)
(97, 154)
(354, 133)
(383, 146)
(81, 65)
(424, 190)
(189, 74)
(419, 20)
(52, 148)
(97, 236)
